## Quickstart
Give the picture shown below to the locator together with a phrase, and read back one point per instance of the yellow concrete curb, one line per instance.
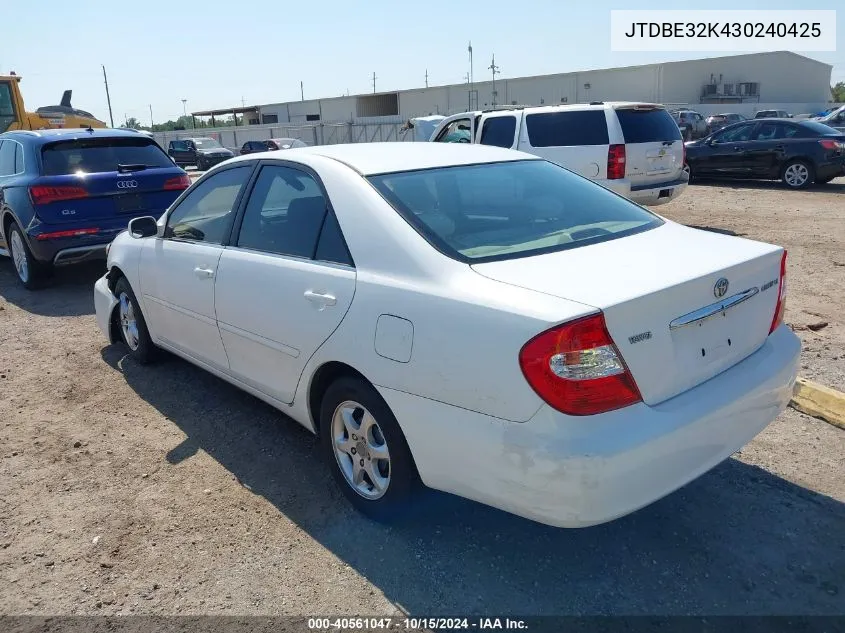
(819, 401)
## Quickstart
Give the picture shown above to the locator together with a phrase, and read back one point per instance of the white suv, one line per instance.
(634, 149)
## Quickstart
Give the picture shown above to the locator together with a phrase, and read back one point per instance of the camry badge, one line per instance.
(721, 288)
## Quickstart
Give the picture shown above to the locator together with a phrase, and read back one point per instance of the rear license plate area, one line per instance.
(664, 193)
(129, 202)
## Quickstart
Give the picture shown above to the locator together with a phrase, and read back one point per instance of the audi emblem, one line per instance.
(127, 184)
(721, 288)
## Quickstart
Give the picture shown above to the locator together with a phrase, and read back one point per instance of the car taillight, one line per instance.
(180, 182)
(780, 306)
(43, 194)
(616, 162)
(828, 143)
(577, 369)
(53, 235)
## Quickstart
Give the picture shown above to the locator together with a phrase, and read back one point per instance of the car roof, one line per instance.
(46, 136)
(388, 157)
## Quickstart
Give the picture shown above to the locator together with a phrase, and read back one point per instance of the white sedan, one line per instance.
(471, 318)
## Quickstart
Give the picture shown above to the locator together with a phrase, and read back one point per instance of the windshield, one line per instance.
(502, 210)
(97, 155)
(7, 108)
(207, 143)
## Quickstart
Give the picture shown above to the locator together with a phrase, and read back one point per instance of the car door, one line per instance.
(727, 155)
(768, 148)
(177, 270)
(285, 283)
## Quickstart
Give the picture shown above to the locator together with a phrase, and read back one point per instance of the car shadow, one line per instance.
(835, 186)
(737, 541)
(68, 292)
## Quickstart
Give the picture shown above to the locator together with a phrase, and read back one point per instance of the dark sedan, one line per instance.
(795, 152)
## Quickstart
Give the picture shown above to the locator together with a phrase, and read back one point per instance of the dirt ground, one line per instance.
(162, 490)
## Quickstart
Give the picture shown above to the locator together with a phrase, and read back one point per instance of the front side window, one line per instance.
(458, 131)
(539, 207)
(499, 131)
(207, 211)
(736, 134)
(285, 213)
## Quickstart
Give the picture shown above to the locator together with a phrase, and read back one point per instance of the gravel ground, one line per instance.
(163, 490)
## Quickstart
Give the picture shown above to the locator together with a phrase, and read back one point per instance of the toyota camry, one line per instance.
(472, 319)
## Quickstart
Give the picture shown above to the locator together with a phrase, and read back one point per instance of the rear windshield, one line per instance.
(820, 128)
(477, 213)
(563, 129)
(97, 155)
(647, 126)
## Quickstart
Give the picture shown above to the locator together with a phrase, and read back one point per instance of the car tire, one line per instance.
(386, 485)
(201, 166)
(30, 271)
(131, 324)
(797, 174)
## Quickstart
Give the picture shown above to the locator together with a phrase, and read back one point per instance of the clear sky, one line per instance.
(214, 53)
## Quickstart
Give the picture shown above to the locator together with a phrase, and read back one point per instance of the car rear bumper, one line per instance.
(580, 471)
(661, 193)
(831, 169)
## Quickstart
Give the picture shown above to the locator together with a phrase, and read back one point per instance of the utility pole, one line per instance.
(243, 101)
(302, 90)
(108, 98)
(151, 116)
(469, 92)
(125, 120)
(426, 77)
(374, 82)
(496, 71)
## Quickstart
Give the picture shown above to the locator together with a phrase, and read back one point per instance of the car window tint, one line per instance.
(7, 158)
(768, 132)
(284, 214)
(457, 131)
(561, 129)
(19, 165)
(206, 213)
(735, 135)
(647, 126)
(331, 246)
(512, 209)
(98, 155)
(499, 131)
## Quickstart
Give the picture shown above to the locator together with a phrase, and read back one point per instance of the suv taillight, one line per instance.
(577, 369)
(180, 182)
(780, 306)
(616, 162)
(41, 194)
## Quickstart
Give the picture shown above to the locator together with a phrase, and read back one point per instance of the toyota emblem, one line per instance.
(721, 288)
(127, 184)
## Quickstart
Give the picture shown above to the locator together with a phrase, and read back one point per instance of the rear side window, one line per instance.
(499, 131)
(7, 157)
(647, 126)
(493, 211)
(561, 129)
(97, 155)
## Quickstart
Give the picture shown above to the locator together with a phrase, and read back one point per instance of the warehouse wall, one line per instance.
(783, 77)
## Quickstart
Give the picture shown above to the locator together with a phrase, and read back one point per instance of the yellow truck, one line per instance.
(13, 115)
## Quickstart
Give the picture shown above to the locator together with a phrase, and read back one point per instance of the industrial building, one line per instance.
(738, 83)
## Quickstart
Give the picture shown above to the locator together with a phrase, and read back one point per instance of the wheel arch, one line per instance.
(113, 275)
(324, 376)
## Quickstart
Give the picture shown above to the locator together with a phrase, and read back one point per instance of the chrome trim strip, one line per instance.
(709, 311)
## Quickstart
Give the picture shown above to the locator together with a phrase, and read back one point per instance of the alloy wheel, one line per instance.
(19, 256)
(128, 322)
(360, 449)
(796, 175)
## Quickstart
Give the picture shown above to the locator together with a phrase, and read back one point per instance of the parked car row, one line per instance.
(473, 319)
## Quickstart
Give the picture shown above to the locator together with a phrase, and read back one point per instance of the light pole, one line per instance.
(185, 108)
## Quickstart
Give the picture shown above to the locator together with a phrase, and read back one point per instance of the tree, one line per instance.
(838, 92)
(133, 123)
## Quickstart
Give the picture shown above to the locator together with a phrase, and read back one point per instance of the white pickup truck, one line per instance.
(634, 149)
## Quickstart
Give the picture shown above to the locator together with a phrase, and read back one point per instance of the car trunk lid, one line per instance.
(660, 294)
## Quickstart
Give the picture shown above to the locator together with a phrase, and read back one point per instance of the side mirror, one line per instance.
(143, 227)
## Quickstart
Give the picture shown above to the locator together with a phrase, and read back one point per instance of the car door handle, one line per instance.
(738, 149)
(203, 273)
(319, 298)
